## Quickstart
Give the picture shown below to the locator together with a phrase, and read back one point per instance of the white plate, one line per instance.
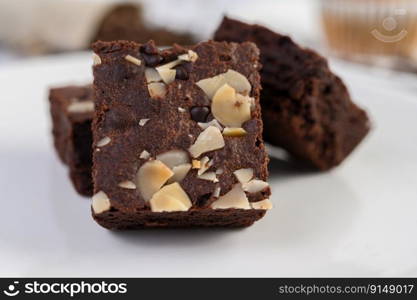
(357, 220)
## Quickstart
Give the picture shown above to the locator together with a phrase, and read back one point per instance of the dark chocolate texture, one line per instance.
(306, 108)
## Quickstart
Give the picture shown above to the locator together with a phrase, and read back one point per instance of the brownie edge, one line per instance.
(306, 109)
(71, 109)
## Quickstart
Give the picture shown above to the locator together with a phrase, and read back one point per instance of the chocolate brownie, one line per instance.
(178, 136)
(72, 113)
(306, 108)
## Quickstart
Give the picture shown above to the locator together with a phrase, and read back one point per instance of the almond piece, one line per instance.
(189, 56)
(167, 75)
(235, 198)
(239, 82)
(81, 107)
(250, 100)
(96, 60)
(144, 154)
(127, 185)
(236, 80)
(179, 172)
(211, 85)
(254, 186)
(263, 204)
(216, 192)
(152, 75)
(157, 90)
(170, 198)
(101, 203)
(169, 65)
(205, 164)
(142, 122)
(208, 140)
(196, 164)
(244, 175)
(209, 176)
(151, 177)
(133, 60)
(234, 131)
(213, 122)
(103, 142)
(228, 110)
(174, 158)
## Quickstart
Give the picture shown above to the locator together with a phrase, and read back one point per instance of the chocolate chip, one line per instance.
(149, 48)
(199, 113)
(152, 60)
(183, 71)
(202, 200)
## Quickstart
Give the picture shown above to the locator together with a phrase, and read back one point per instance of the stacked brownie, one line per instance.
(72, 110)
(306, 109)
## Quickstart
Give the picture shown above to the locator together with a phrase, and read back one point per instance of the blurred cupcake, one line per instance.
(371, 30)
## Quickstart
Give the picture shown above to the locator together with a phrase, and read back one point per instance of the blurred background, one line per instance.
(373, 32)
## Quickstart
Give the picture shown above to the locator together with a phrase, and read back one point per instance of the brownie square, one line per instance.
(178, 136)
(306, 108)
(71, 109)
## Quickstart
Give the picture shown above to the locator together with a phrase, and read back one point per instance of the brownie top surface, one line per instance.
(277, 52)
(137, 126)
(74, 100)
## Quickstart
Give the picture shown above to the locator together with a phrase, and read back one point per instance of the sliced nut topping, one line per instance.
(236, 80)
(190, 56)
(152, 75)
(216, 192)
(133, 60)
(208, 140)
(179, 172)
(234, 132)
(211, 85)
(101, 203)
(144, 154)
(142, 122)
(103, 142)
(169, 65)
(127, 185)
(157, 90)
(263, 204)
(210, 176)
(239, 82)
(250, 100)
(244, 175)
(235, 198)
(180, 109)
(213, 122)
(205, 164)
(196, 164)
(229, 110)
(167, 75)
(151, 177)
(254, 186)
(219, 171)
(81, 107)
(173, 158)
(170, 198)
(96, 60)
